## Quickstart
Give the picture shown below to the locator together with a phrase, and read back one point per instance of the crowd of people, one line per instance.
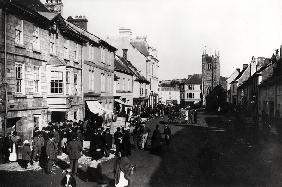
(68, 137)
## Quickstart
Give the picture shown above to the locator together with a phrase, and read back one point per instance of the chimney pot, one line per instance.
(245, 66)
(80, 21)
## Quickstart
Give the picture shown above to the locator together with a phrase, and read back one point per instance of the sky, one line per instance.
(181, 29)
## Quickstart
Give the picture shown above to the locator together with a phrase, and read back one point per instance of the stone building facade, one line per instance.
(145, 62)
(123, 84)
(24, 56)
(210, 73)
(42, 58)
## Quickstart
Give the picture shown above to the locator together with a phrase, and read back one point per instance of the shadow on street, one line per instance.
(220, 155)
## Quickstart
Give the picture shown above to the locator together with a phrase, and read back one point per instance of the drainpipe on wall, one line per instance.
(5, 73)
(81, 78)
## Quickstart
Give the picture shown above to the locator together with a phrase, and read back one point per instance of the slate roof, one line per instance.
(240, 74)
(34, 5)
(194, 79)
(135, 71)
(120, 67)
(141, 47)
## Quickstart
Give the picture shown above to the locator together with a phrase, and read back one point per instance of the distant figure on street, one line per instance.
(167, 134)
(74, 149)
(190, 120)
(186, 116)
(195, 116)
(144, 135)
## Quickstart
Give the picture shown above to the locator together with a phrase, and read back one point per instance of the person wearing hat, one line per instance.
(37, 144)
(118, 139)
(51, 151)
(26, 154)
(74, 149)
(108, 141)
(68, 180)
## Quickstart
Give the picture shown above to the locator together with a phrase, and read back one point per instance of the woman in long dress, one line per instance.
(13, 152)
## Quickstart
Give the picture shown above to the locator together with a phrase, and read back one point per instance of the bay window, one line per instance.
(57, 82)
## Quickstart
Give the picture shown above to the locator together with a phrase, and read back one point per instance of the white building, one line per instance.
(169, 95)
(144, 59)
(190, 90)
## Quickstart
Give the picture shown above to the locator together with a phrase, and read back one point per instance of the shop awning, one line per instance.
(96, 108)
(123, 103)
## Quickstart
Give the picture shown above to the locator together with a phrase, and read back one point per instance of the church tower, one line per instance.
(210, 73)
(54, 6)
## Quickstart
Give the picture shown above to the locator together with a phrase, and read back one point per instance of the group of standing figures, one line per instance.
(191, 116)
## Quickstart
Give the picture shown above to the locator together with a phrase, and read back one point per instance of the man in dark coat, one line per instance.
(74, 149)
(156, 140)
(37, 144)
(108, 140)
(51, 151)
(5, 149)
(118, 139)
(126, 144)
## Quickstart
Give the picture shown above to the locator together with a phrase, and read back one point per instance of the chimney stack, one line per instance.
(55, 6)
(238, 69)
(125, 53)
(245, 66)
(79, 21)
(125, 33)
